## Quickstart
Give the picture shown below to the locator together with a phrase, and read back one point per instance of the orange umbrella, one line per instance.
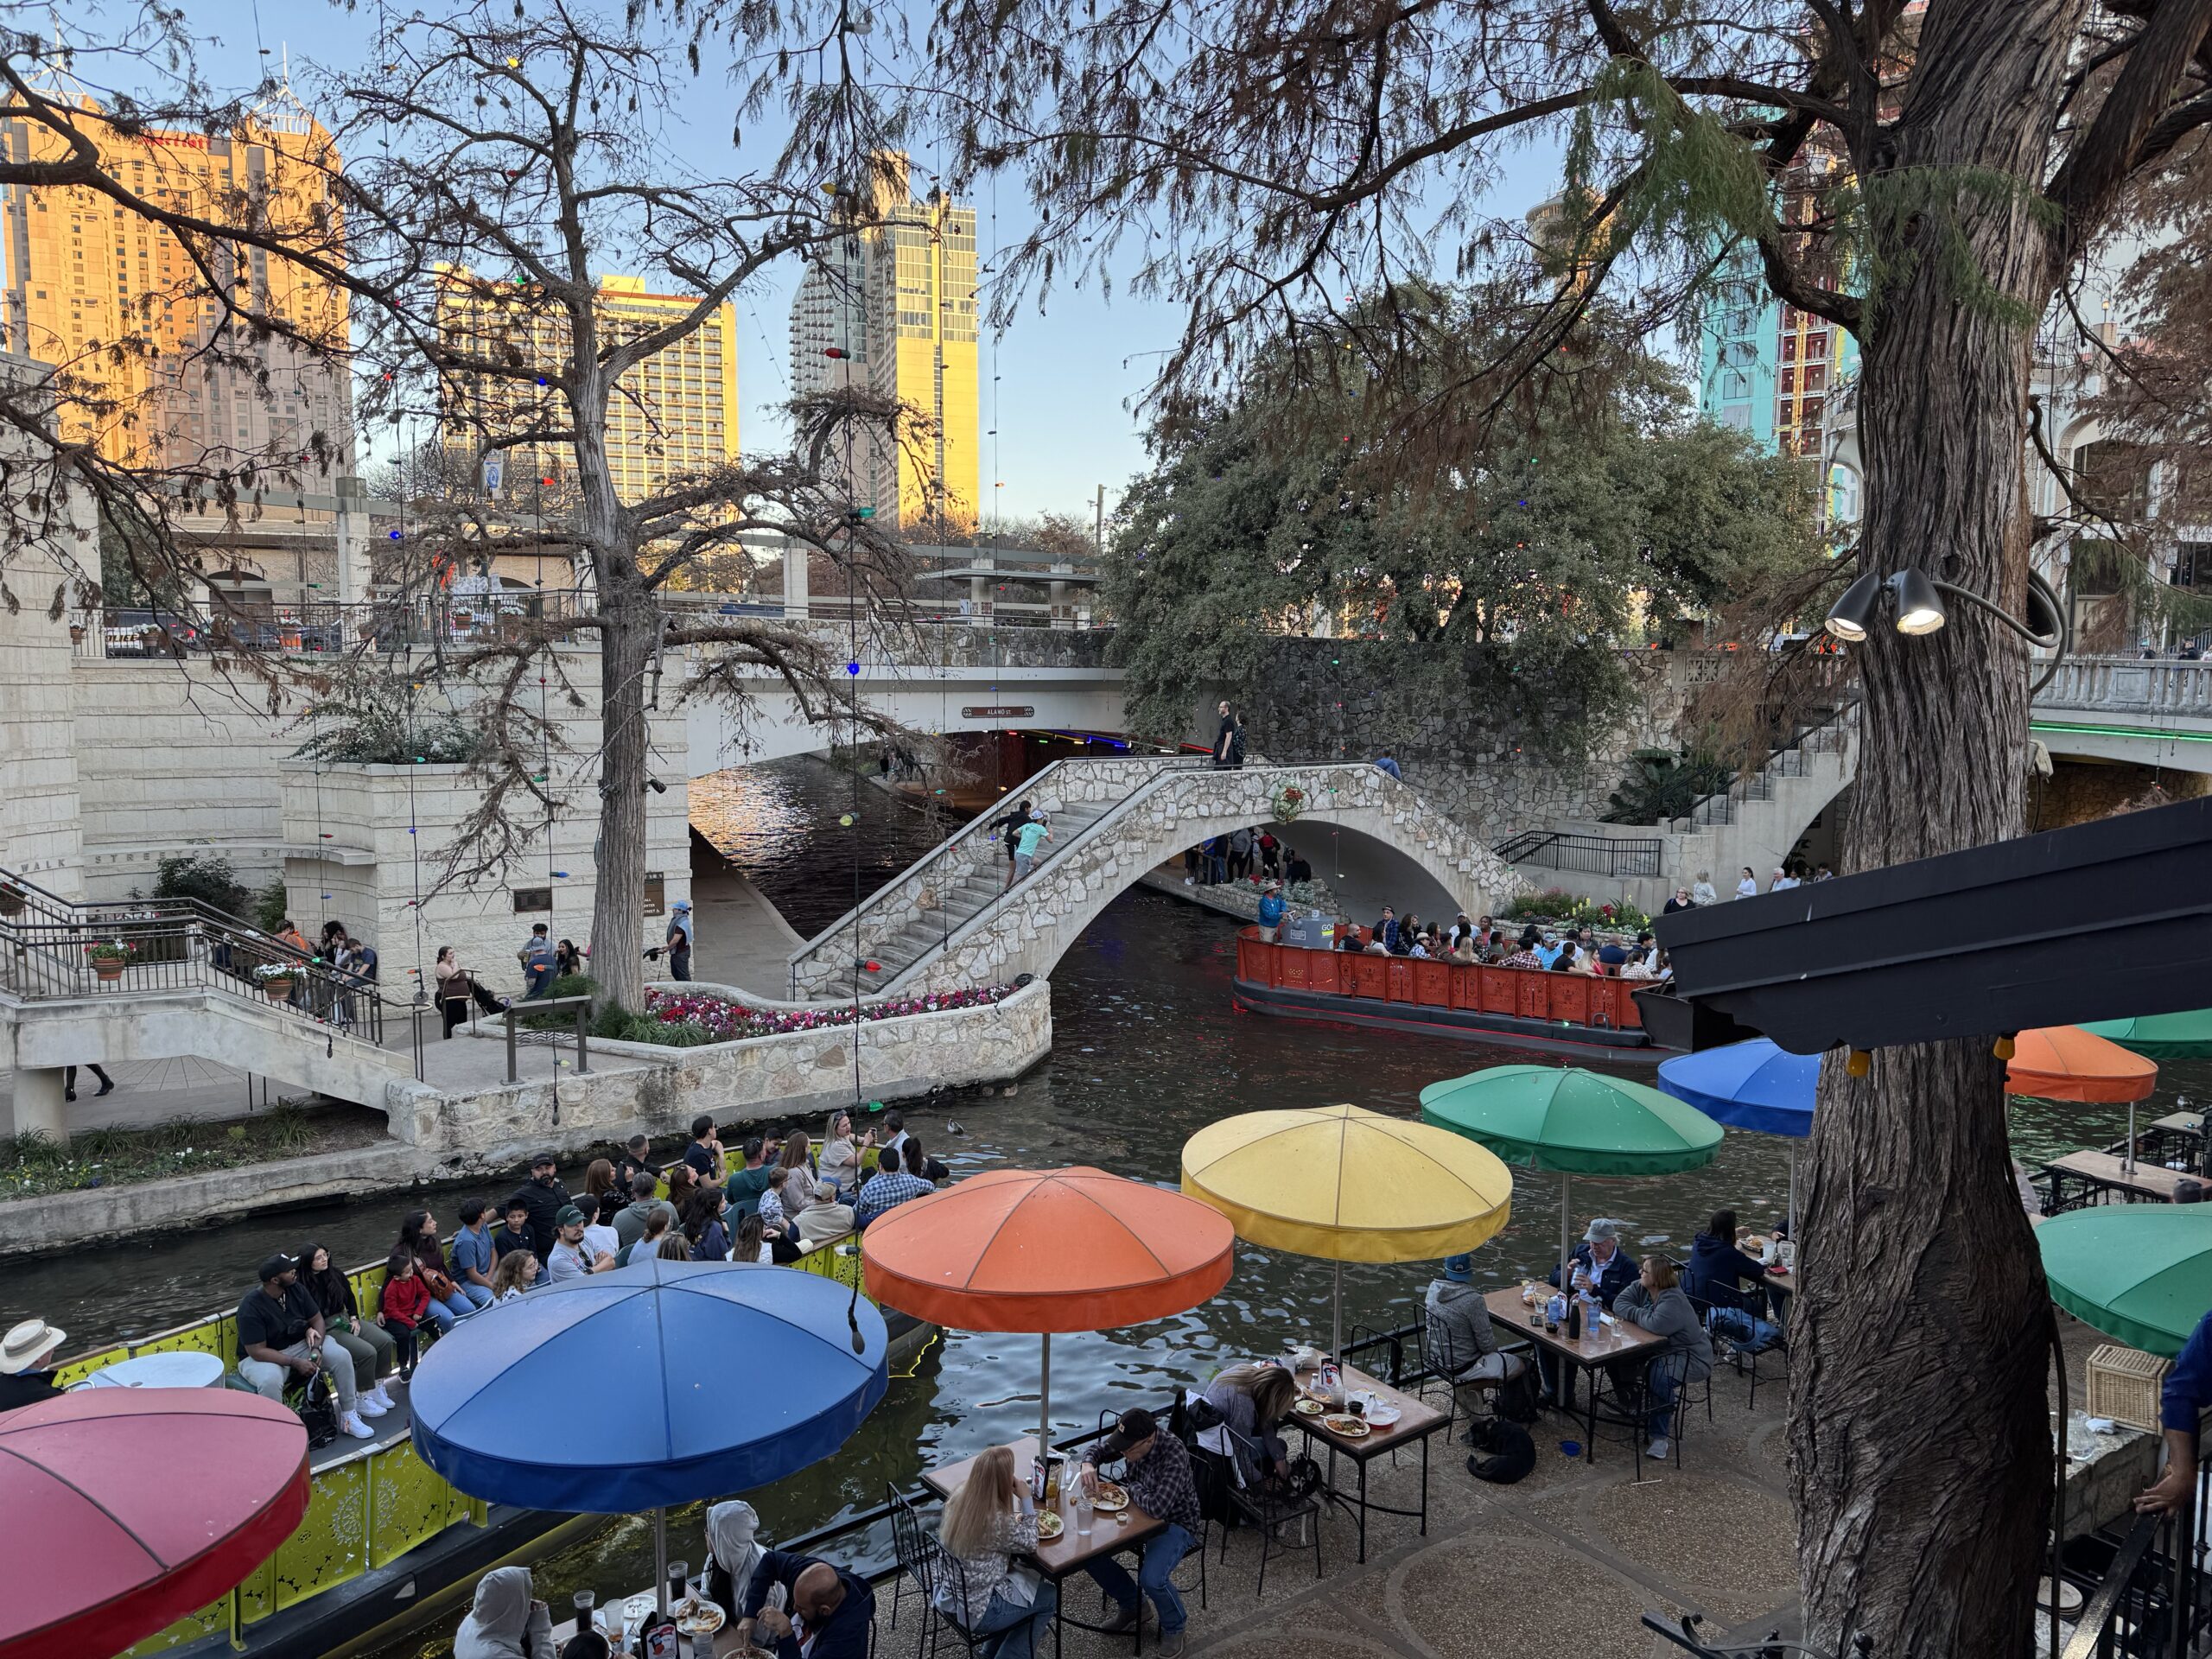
(1047, 1251)
(2067, 1063)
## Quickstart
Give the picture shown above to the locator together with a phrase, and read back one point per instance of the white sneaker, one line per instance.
(365, 1405)
(351, 1423)
(1659, 1448)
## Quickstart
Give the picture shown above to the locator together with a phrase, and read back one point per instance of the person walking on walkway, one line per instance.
(1225, 739)
(1009, 827)
(679, 940)
(69, 1082)
(1386, 762)
(1029, 848)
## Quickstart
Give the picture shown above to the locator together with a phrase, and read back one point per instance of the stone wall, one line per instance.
(1492, 773)
(2076, 791)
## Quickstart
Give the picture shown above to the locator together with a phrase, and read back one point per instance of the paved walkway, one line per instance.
(743, 940)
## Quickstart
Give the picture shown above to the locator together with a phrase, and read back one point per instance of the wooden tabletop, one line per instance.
(2180, 1122)
(1612, 1340)
(1415, 1417)
(2153, 1180)
(1059, 1556)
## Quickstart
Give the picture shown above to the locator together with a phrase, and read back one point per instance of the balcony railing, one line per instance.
(2131, 685)
(1584, 855)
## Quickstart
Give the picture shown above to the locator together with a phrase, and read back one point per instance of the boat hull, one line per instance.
(1506, 1030)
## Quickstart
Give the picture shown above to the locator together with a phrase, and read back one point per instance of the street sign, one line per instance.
(1008, 711)
(495, 468)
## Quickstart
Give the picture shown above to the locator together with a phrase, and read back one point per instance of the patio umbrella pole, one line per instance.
(2131, 1137)
(1045, 1410)
(1337, 1320)
(1565, 1227)
(660, 1557)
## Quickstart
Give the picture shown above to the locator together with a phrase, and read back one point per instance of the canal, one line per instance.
(1147, 1050)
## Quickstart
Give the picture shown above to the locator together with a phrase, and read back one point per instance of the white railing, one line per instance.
(2134, 685)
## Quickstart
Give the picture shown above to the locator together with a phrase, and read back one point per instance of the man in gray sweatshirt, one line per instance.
(1458, 1342)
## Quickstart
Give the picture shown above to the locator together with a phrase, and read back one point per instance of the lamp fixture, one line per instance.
(1849, 618)
(1920, 608)
(1919, 611)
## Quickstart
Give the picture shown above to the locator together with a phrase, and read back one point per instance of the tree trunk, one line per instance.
(629, 632)
(1920, 1442)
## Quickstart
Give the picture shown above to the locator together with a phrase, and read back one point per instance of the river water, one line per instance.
(1147, 1050)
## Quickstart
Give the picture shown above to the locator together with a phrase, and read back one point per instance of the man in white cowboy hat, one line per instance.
(23, 1382)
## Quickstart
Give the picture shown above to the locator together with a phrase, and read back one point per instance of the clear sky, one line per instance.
(1067, 377)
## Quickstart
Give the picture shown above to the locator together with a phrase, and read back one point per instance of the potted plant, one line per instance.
(108, 958)
(275, 978)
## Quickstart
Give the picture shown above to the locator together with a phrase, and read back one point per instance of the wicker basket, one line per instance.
(2124, 1385)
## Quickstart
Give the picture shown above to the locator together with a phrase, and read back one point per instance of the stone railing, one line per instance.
(2131, 685)
(1173, 810)
(824, 965)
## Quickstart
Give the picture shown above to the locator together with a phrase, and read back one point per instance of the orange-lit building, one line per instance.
(85, 275)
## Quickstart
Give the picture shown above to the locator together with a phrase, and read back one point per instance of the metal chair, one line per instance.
(916, 1551)
(1628, 1385)
(1268, 1507)
(1728, 1344)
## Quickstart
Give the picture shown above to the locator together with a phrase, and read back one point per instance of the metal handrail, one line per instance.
(1584, 853)
(175, 944)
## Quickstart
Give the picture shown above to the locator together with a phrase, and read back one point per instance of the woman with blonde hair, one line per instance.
(841, 1151)
(1254, 1399)
(1656, 1303)
(987, 1520)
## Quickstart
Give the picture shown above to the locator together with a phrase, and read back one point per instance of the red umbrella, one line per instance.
(1047, 1251)
(122, 1510)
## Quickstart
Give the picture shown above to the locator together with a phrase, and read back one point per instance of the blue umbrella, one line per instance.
(658, 1384)
(1756, 1085)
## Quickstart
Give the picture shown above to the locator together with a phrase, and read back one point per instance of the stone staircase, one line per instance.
(1757, 820)
(965, 892)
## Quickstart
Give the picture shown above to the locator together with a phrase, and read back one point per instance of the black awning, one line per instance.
(2099, 921)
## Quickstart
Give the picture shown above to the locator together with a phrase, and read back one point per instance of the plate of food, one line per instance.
(1048, 1525)
(1309, 1406)
(1343, 1423)
(1110, 1499)
(698, 1617)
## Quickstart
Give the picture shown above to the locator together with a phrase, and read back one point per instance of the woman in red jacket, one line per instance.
(406, 1300)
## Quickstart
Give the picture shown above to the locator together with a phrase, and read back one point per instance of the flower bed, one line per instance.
(688, 1019)
(1558, 907)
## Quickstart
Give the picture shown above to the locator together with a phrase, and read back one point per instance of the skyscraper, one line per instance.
(898, 299)
(116, 303)
(673, 414)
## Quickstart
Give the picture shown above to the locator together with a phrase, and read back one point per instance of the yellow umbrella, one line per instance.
(1343, 1184)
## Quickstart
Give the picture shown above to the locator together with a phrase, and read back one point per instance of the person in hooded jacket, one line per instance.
(1458, 1340)
(732, 1551)
(506, 1621)
(1717, 1270)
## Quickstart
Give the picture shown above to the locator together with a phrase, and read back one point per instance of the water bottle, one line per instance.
(1592, 1309)
(1555, 1311)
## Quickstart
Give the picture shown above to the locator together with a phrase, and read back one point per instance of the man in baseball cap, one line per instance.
(679, 939)
(24, 1379)
(571, 1258)
(280, 1335)
(541, 1195)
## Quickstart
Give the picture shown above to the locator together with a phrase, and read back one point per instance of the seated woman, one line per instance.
(841, 1152)
(732, 1551)
(418, 1236)
(567, 959)
(1457, 1339)
(703, 1227)
(455, 986)
(1656, 1303)
(372, 1346)
(750, 1248)
(1254, 1399)
(803, 1188)
(517, 1273)
(507, 1621)
(1464, 951)
(682, 1182)
(986, 1523)
(660, 1221)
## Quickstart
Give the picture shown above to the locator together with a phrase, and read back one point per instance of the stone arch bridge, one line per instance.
(946, 922)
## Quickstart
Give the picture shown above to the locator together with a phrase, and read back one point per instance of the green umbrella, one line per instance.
(1575, 1122)
(2161, 1036)
(2141, 1273)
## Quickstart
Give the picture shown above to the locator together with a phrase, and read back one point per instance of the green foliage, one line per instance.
(205, 877)
(1661, 784)
(619, 1025)
(32, 1164)
(1616, 916)
(270, 906)
(1507, 585)
(366, 717)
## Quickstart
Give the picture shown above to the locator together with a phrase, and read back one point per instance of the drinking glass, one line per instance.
(585, 1600)
(1083, 1510)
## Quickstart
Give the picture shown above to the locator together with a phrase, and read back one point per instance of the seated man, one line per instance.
(281, 1334)
(1157, 1475)
(1599, 1263)
(889, 1188)
(1458, 1340)
(831, 1612)
(24, 1378)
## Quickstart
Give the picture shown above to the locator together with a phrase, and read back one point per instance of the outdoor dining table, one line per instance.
(1417, 1421)
(2090, 1173)
(1612, 1341)
(1059, 1558)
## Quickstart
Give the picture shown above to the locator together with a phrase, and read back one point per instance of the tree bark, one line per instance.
(1920, 1443)
(629, 632)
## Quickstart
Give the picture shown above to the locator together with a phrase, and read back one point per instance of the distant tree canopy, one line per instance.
(1590, 521)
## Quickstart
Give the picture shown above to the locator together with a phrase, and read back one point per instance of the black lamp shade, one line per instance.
(1848, 617)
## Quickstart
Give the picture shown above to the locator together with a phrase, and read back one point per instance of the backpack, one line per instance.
(318, 1410)
(1503, 1452)
(1515, 1400)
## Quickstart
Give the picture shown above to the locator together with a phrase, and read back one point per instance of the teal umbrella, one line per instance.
(1574, 1123)
(2141, 1273)
(2161, 1036)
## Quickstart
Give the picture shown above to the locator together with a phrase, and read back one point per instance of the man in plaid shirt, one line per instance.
(1157, 1473)
(887, 1189)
